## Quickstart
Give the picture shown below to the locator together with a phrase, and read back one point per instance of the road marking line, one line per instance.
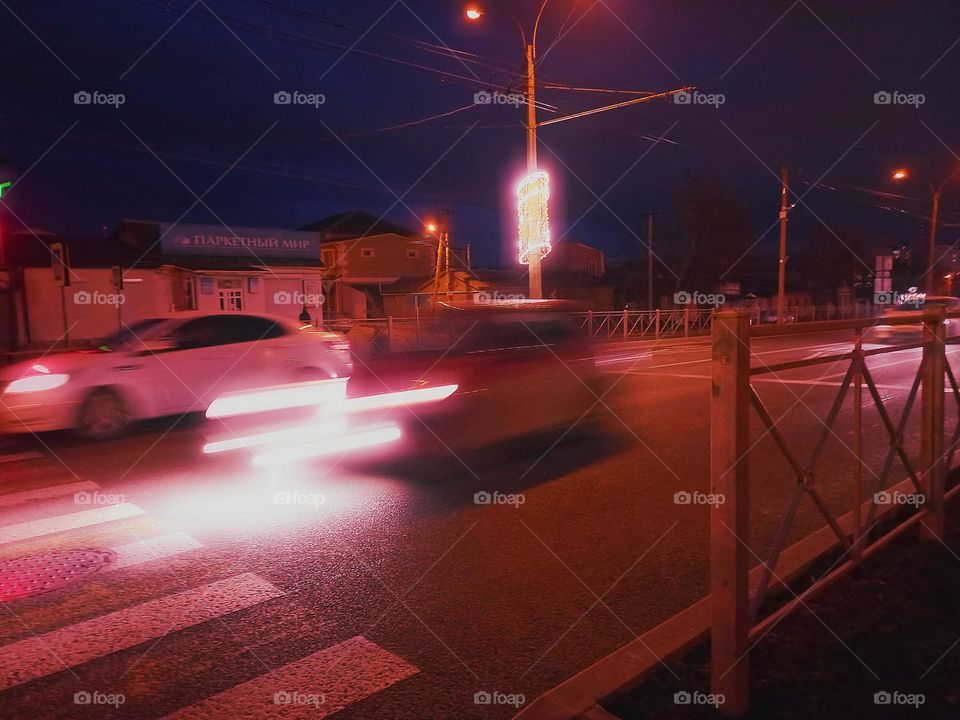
(52, 652)
(47, 526)
(15, 457)
(316, 686)
(141, 551)
(46, 492)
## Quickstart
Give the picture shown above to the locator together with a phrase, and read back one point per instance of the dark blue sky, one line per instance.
(798, 78)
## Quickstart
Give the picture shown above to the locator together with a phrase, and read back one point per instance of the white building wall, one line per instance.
(90, 307)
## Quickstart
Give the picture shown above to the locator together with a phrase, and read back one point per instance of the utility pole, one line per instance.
(533, 269)
(932, 243)
(649, 261)
(781, 278)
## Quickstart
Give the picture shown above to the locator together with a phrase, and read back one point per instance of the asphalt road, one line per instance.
(387, 592)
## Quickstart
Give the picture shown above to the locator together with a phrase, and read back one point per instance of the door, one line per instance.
(215, 354)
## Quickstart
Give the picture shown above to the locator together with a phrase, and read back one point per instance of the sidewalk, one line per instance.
(882, 642)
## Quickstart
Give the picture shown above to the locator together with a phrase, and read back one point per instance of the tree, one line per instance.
(715, 232)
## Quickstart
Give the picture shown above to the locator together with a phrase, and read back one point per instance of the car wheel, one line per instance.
(103, 415)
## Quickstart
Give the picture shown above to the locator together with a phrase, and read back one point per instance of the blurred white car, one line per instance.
(914, 331)
(164, 366)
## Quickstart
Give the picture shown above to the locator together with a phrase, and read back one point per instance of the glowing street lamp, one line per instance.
(474, 13)
(935, 190)
(432, 228)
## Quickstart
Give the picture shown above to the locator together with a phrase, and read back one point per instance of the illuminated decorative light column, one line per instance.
(533, 195)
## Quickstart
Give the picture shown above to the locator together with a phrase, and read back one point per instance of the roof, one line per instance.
(356, 224)
(24, 249)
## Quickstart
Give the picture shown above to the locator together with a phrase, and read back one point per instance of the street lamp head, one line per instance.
(431, 228)
(474, 13)
(900, 174)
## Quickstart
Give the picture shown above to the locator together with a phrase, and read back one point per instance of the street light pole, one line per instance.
(533, 269)
(935, 192)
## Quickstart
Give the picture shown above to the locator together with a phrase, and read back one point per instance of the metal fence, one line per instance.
(411, 333)
(736, 606)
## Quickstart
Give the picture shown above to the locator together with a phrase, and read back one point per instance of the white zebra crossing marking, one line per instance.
(47, 526)
(57, 650)
(154, 548)
(16, 457)
(316, 686)
(46, 493)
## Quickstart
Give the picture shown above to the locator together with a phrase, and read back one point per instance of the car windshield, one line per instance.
(129, 335)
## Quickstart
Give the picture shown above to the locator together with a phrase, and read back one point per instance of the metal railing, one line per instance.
(736, 608)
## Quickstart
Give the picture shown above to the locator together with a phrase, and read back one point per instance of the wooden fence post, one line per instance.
(932, 464)
(729, 519)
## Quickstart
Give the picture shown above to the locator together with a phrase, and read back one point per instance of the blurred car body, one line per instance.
(164, 366)
(914, 331)
(518, 372)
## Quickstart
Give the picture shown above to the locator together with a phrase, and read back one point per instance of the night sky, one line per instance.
(798, 80)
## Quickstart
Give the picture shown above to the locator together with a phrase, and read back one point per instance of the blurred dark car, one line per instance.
(518, 372)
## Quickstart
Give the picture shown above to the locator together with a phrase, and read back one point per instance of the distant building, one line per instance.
(148, 268)
(569, 256)
(362, 254)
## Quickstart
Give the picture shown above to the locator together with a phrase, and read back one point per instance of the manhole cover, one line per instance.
(35, 574)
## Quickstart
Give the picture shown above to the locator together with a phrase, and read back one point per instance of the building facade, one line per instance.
(71, 291)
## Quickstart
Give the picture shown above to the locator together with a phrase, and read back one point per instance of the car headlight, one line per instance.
(42, 380)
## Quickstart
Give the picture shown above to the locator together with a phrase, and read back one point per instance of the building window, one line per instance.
(413, 253)
(230, 294)
(328, 258)
(366, 252)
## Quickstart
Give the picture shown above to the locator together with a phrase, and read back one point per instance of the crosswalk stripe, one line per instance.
(16, 457)
(154, 548)
(43, 655)
(315, 686)
(47, 526)
(46, 492)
